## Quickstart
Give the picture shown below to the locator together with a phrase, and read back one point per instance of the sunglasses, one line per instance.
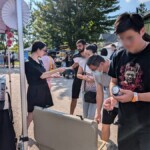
(45, 50)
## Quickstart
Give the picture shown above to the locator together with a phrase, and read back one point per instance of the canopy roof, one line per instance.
(3, 27)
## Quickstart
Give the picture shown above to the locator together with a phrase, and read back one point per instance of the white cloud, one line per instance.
(127, 1)
(142, 1)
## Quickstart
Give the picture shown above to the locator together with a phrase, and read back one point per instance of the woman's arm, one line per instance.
(48, 74)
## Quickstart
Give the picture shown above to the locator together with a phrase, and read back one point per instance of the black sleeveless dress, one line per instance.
(38, 93)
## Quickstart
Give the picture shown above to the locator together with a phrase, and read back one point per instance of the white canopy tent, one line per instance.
(19, 22)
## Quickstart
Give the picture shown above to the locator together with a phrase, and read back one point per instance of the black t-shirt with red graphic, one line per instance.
(133, 73)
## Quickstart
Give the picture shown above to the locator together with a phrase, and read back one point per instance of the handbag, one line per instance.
(89, 96)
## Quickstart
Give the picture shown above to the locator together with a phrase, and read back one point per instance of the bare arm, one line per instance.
(99, 98)
(144, 97)
(74, 65)
(80, 72)
(49, 73)
(128, 96)
(84, 77)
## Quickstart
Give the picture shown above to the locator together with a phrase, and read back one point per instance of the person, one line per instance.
(38, 93)
(5, 59)
(104, 53)
(1, 59)
(100, 67)
(76, 86)
(49, 65)
(113, 48)
(88, 83)
(52, 61)
(67, 60)
(12, 59)
(129, 70)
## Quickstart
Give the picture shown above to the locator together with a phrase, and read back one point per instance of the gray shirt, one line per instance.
(104, 80)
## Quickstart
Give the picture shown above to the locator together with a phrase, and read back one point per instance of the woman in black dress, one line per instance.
(38, 93)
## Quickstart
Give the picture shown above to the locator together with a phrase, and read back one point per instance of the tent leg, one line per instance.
(22, 76)
(9, 66)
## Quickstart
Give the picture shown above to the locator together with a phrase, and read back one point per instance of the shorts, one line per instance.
(76, 87)
(109, 116)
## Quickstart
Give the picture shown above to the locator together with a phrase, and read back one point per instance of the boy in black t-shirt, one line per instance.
(130, 70)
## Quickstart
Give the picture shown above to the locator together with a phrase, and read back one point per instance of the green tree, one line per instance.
(142, 9)
(3, 42)
(15, 48)
(59, 21)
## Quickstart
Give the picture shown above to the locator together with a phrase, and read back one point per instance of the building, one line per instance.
(108, 38)
(147, 21)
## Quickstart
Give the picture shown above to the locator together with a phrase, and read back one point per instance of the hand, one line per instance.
(98, 117)
(88, 78)
(71, 68)
(110, 103)
(56, 75)
(126, 96)
(61, 70)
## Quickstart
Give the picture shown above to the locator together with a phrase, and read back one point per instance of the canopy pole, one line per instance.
(24, 137)
(9, 73)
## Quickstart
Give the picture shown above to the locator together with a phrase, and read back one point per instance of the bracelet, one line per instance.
(135, 98)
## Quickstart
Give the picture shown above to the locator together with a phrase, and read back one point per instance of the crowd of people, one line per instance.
(113, 86)
(95, 75)
(4, 59)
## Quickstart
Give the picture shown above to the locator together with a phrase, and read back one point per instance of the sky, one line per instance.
(131, 5)
(125, 5)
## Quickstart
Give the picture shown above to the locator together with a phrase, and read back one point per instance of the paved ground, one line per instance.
(61, 92)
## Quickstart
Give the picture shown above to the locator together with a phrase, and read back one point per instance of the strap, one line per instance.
(10, 108)
(84, 74)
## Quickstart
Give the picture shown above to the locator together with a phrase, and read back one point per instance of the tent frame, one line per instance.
(24, 136)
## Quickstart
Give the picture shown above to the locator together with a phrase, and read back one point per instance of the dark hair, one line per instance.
(92, 47)
(113, 45)
(37, 45)
(104, 52)
(146, 37)
(95, 60)
(82, 41)
(128, 21)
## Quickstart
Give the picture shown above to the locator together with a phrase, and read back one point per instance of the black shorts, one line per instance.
(109, 116)
(76, 87)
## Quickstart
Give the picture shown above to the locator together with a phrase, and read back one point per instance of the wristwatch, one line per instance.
(135, 97)
(115, 90)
